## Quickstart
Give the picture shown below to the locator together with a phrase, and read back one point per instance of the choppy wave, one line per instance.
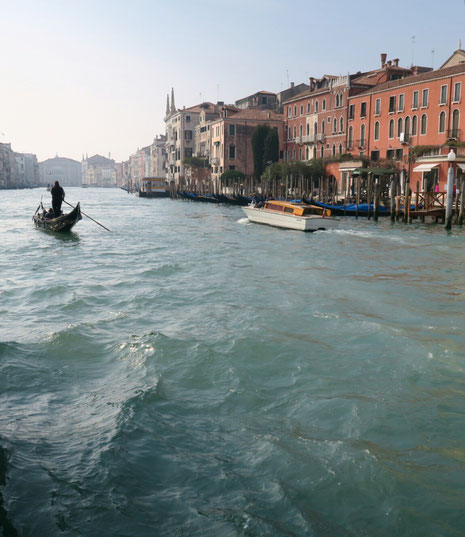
(187, 375)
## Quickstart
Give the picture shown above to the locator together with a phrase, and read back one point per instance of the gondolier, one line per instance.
(58, 195)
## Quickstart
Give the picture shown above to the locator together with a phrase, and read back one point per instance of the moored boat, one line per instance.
(64, 222)
(284, 214)
(351, 209)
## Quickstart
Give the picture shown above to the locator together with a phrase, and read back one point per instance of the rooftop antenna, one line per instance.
(413, 49)
(217, 92)
(287, 76)
(200, 94)
(432, 58)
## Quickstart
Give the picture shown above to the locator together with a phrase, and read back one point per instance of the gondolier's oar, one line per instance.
(89, 217)
(38, 207)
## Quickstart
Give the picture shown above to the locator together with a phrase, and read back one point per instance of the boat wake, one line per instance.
(243, 221)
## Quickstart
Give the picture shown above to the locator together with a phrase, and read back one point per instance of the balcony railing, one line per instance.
(313, 138)
(361, 143)
(453, 133)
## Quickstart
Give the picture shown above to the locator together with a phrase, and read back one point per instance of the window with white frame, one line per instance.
(334, 126)
(424, 97)
(392, 104)
(295, 110)
(399, 127)
(301, 109)
(423, 124)
(442, 122)
(341, 124)
(407, 126)
(415, 100)
(308, 108)
(362, 135)
(377, 107)
(400, 104)
(323, 106)
(391, 129)
(376, 131)
(457, 91)
(443, 97)
(414, 125)
(350, 137)
(317, 106)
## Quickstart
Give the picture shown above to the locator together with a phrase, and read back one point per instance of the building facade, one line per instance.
(231, 140)
(98, 171)
(158, 157)
(65, 170)
(8, 167)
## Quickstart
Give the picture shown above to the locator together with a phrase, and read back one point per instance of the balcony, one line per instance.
(404, 138)
(313, 138)
(453, 134)
(361, 143)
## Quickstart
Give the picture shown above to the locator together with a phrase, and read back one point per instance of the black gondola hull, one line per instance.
(65, 222)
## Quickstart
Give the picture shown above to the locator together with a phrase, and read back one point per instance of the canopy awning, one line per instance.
(461, 166)
(374, 171)
(425, 167)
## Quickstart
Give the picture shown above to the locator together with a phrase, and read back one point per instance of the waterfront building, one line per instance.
(411, 123)
(27, 170)
(288, 93)
(264, 100)
(8, 167)
(65, 170)
(158, 157)
(98, 171)
(180, 143)
(231, 140)
(122, 173)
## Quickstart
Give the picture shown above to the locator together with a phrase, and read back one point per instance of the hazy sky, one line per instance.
(91, 76)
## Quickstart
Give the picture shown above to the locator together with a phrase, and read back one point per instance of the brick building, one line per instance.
(410, 123)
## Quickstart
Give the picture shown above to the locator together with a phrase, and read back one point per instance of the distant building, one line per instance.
(65, 170)
(98, 171)
(158, 157)
(180, 129)
(261, 100)
(122, 173)
(231, 140)
(288, 94)
(8, 167)
(27, 169)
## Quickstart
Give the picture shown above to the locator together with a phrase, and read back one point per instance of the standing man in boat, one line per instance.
(58, 195)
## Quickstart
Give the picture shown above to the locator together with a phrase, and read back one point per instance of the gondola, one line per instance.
(350, 209)
(65, 222)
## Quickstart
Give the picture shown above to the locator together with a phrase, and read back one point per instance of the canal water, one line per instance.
(192, 374)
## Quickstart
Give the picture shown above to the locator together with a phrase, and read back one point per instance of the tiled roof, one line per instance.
(253, 114)
(416, 79)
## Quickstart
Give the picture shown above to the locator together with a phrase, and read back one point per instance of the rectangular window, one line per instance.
(415, 100)
(363, 109)
(390, 154)
(443, 98)
(375, 156)
(377, 107)
(301, 109)
(308, 108)
(232, 151)
(392, 103)
(187, 152)
(457, 91)
(188, 135)
(188, 118)
(424, 98)
(398, 154)
(231, 167)
(400, 107)
(232, 130)
(351, 111)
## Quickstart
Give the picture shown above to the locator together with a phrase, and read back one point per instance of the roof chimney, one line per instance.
(292, 84)
(312, 83)
(389, 63)
(396, 62)
(383, 59)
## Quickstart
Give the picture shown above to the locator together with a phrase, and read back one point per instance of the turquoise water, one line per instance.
(192, 374)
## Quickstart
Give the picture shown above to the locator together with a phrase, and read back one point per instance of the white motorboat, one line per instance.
(290, 215)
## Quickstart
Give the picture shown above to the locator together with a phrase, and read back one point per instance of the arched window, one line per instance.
(455, 123)
(315, 128)
(295, 110)
(323, 106)
(350, 137)
(323, 127)
(334, 126)
(295, 131)
(300, 154)
(314, 152)
(399, 127)
(362, 135)
(341, 124)
(423, 124)
(414, 125)
(340, 149)
(334, 150)
(376, 133)
(316, 106)
(407, 126)
(307, 152)
(308, 129)
(293, 154)
(301, 130)
(322, 152)
(391, 129)
(442, 122)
